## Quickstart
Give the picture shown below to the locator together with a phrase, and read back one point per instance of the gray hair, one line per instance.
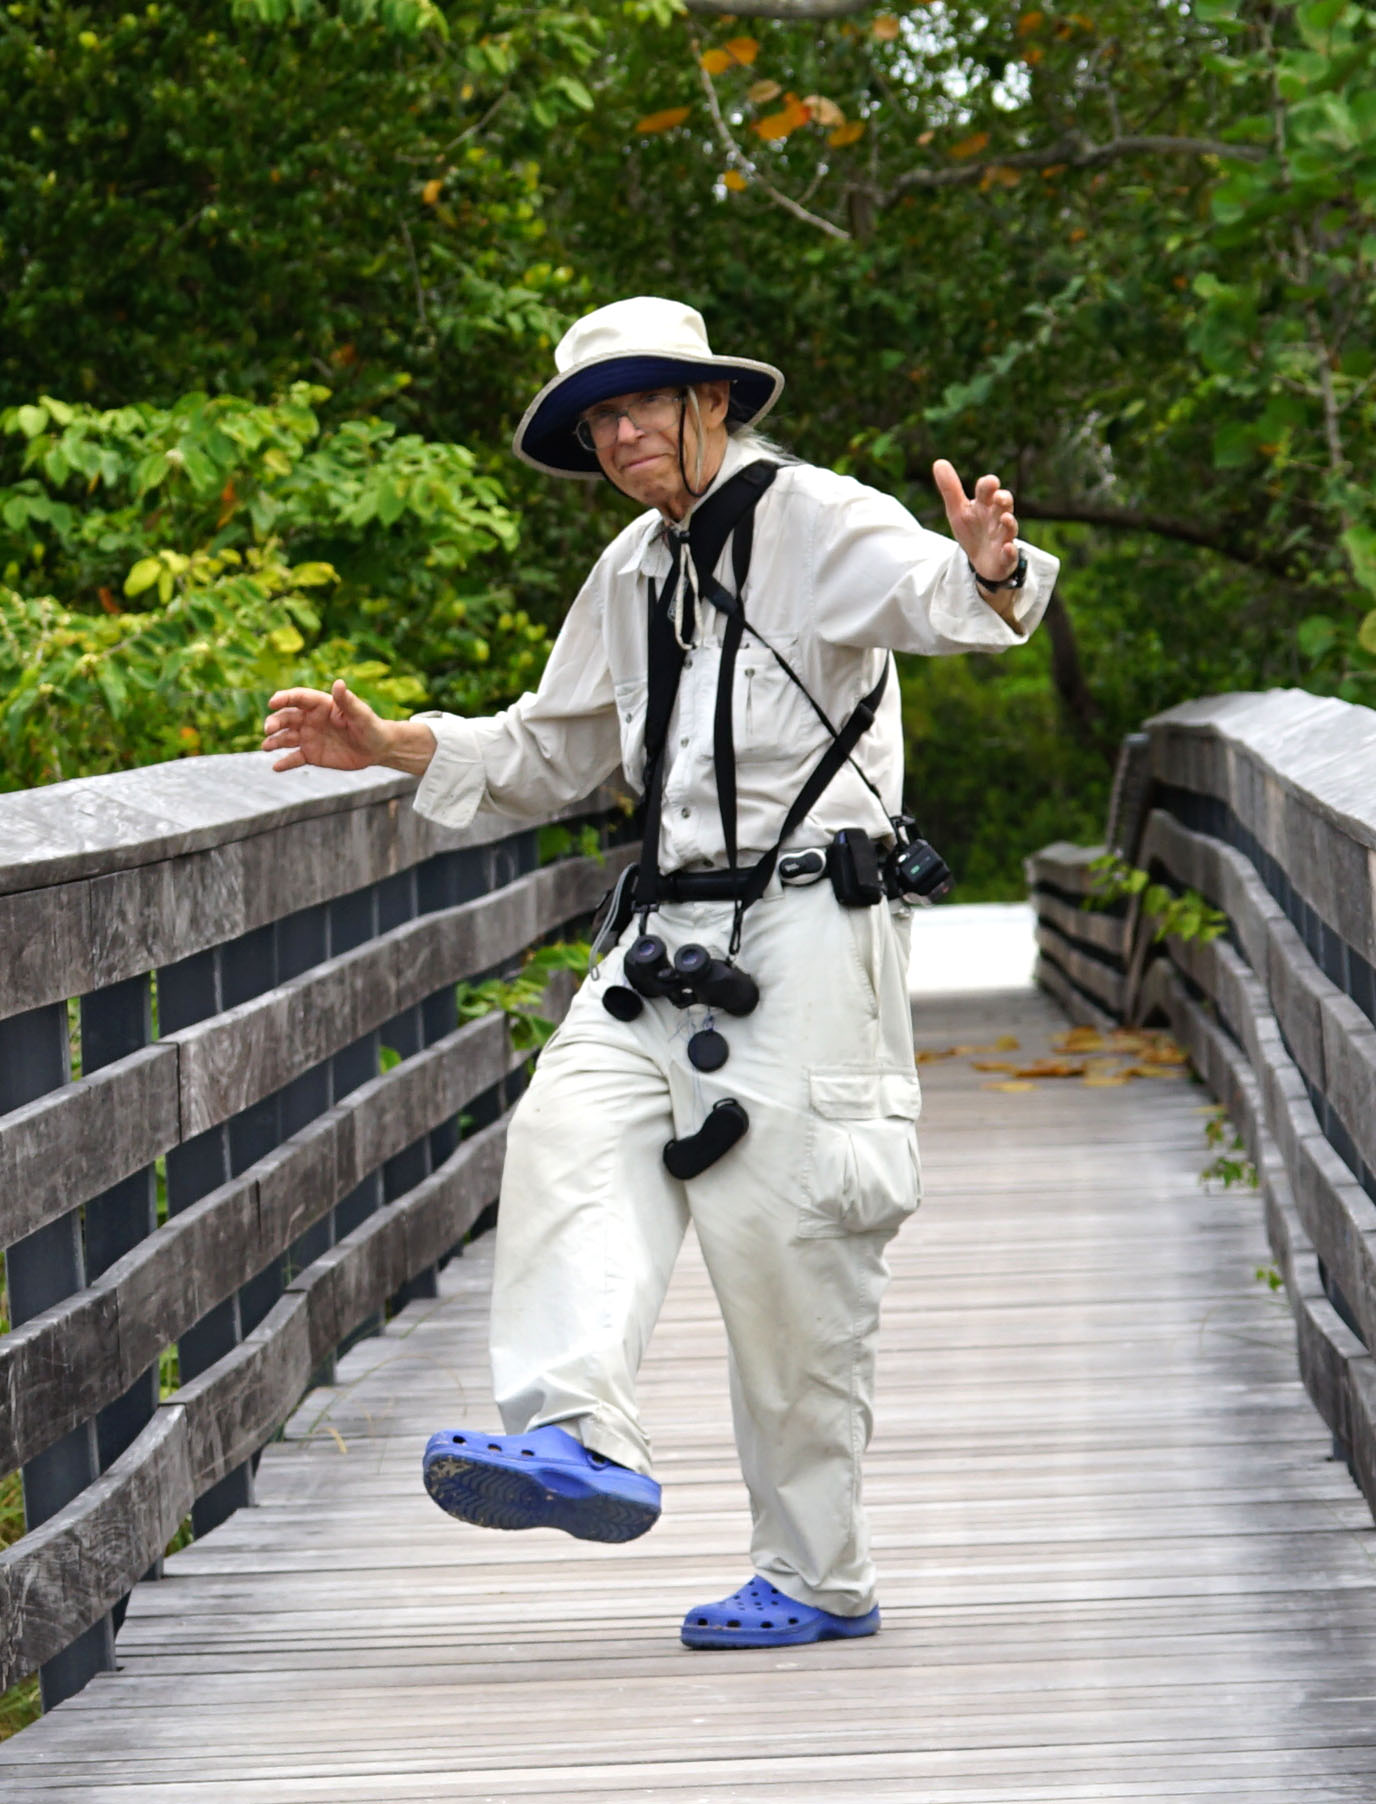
(757, 444)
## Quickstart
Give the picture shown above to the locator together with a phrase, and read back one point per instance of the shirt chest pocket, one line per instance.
(771, 719)
(630, 719)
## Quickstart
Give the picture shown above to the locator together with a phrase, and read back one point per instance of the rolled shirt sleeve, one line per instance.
(547, 750)
(881, 578)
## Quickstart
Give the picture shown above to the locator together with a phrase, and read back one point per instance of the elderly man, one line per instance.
(743, 1057)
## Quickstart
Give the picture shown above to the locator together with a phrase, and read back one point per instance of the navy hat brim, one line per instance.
(546, 436)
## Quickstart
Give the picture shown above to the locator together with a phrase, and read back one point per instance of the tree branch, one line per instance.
(1076, 153)
(737, 158)
(1161, 526)
(779, 9)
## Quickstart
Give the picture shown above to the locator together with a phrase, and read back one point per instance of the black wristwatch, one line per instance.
(1015, 581)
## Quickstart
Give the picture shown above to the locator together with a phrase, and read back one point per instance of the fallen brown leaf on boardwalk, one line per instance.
(1171, 1071)
(1165, 1052)
(1102, 1080)
(1006, 1043)
(1053, 1068)
(1012, 1085)
(994, 1065)
(930, 1054)
(1079, 1039)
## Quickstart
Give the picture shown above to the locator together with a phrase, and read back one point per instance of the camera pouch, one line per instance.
(853, 866)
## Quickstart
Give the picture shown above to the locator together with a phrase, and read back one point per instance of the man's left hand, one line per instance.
(983, 525)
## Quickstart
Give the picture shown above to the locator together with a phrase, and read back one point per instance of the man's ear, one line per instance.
(713, 400)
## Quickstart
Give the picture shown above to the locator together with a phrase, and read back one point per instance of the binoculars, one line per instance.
(693, 974)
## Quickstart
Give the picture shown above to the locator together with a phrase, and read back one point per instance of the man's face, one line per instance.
(643, 459)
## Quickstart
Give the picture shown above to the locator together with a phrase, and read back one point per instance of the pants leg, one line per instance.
(588, 1229)
(792, 1222)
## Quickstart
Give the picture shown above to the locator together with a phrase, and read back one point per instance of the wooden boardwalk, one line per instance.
(1118, 1560)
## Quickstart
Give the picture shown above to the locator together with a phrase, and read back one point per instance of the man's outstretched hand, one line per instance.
(339, 730)
(983, 525)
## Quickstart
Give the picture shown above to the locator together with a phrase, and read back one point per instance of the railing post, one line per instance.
(117, 1021)
(188, 991)
(353, 920)
(41, 1270)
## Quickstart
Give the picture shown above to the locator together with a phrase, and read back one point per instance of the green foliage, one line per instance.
(558, 841)
(165, 569)
(233, 196)
(1231, 1166)
(1181, 915)
(518, 997)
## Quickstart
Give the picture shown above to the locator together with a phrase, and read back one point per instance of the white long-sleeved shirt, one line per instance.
(840, 576)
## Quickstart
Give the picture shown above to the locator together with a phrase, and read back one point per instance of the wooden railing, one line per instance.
(240, 1171)
(1266, 806)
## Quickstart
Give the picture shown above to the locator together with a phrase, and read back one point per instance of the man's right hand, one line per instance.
(341, 732)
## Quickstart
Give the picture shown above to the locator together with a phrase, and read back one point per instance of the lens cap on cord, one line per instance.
(707, 1050)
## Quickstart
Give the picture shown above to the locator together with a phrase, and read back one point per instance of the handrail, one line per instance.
(232, 1171)
(1266, 806)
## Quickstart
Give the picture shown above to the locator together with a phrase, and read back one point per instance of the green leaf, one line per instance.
(1234, 446)
(143, 575)
(1366, 633)
(112, 687)
(1359, 542)
(31, 420)
(1315, 636)
(314, 576)
(1317, 19)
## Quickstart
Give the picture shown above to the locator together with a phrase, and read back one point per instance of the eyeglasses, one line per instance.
(650, 412)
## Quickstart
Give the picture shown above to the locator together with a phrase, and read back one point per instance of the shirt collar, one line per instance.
(648, 551)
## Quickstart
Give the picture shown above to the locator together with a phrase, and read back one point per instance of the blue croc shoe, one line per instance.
(759, 1616)
(544, 1479)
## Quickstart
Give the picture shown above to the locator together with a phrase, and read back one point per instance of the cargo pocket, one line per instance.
(863, 1174)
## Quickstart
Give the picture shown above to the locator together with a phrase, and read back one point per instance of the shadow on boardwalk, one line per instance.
(1118, 1561)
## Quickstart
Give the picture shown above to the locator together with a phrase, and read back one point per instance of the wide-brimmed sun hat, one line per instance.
(623, 349)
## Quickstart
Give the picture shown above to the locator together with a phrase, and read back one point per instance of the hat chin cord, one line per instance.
(697, 488)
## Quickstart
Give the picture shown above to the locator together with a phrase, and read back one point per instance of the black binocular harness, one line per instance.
(695, 974)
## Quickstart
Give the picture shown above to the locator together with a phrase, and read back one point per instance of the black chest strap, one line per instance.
(731, 510)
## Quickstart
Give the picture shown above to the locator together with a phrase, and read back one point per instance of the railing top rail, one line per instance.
(1318, 749)
(90, 826)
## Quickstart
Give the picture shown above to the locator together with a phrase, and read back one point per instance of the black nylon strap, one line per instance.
(730, 508)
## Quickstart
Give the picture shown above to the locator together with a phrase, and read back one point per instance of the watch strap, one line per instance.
(1013, 581)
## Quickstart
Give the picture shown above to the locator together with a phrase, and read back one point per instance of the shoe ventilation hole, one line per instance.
(733, 1625)
(793, 1622)
(492, 1447)
(458, 1440)
(766, 1625)
(527, 1453)
(702, 1622)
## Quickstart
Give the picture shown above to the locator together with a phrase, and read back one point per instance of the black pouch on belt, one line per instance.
(853, 866)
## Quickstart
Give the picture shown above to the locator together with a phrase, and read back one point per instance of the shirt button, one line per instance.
(687, 663)
(684, 740)
(685, 812)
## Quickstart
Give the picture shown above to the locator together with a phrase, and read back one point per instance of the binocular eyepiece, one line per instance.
(694, 974)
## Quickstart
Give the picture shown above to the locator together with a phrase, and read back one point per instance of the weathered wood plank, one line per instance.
(108, 877)
(234, 1406)
(1317, 1209)
(61, 1366)
(69, 1145)
(1085, 926)
(234, 1059)
(1116, 1559)
(1101, 981)
(348, 1283)
(64, 1576)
